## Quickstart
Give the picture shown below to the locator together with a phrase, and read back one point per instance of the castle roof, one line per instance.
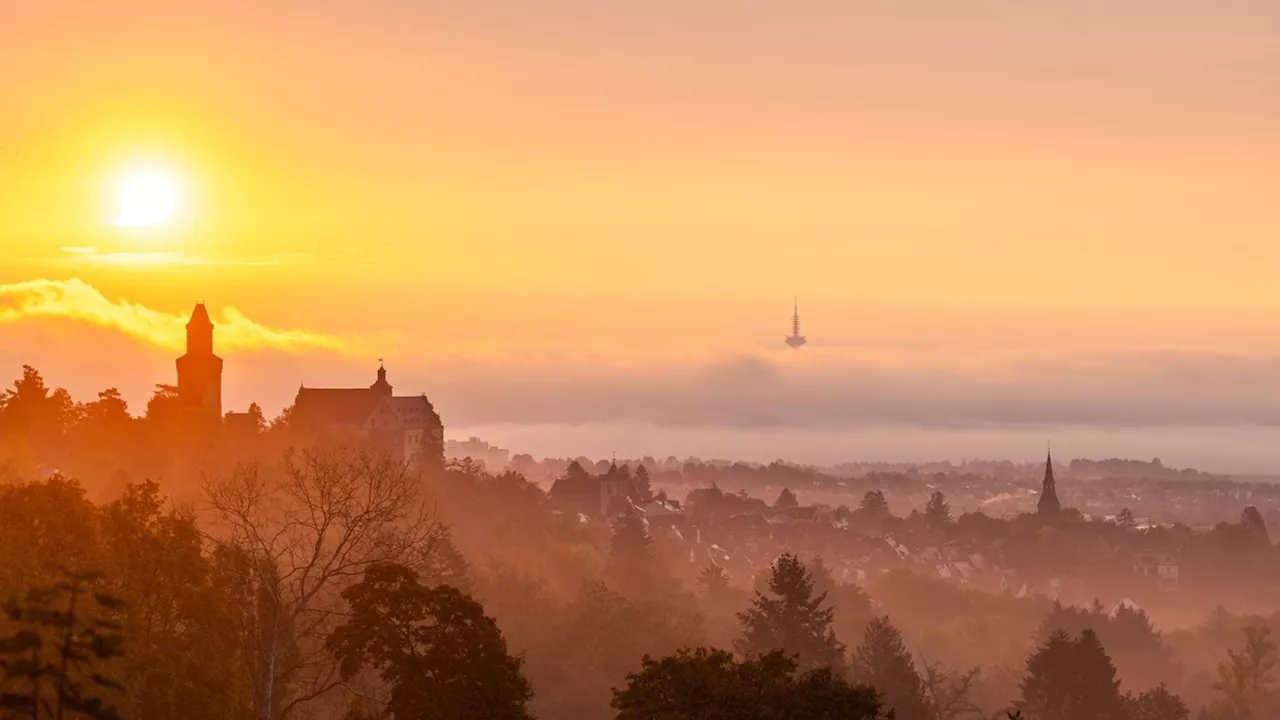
(343, 406)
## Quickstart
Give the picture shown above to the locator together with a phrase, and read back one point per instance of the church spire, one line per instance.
(1049, 505)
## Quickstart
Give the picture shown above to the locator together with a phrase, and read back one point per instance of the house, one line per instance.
(662, 513)
(1161, 567)
(407, 427)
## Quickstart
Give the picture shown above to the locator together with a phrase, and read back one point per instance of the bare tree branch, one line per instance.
(305, 533)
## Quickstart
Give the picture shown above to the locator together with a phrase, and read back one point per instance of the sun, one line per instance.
(145, 199)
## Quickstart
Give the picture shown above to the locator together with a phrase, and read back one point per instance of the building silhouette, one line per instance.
(1049, 506)
(407, 427)
(199, 370)
(795, 339)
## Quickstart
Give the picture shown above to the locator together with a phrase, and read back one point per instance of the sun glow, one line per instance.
(147, 199)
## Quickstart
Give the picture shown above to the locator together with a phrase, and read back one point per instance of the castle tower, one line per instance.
(200, 371)
(1049, 505)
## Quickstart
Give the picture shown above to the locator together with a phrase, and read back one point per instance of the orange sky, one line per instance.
(649, 183)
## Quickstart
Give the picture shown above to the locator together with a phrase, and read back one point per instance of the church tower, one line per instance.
(381, 387)
(1049, 505)
(200, 371)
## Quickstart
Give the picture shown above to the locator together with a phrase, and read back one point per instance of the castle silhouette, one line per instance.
(407, 427)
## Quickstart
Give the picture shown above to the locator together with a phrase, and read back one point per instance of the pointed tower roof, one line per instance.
(1049, 504)
(200, 317)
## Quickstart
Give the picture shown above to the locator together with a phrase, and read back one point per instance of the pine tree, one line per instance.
(792, 619)
(631, 555)
(446, 565)
(643, 487)
(1097, 683)
(1069, 679)
(883, 662)
(786, 499)
(50, 666)
(937, 513)
(714, 581)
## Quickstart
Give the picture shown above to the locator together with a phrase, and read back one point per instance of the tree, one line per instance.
(1156, 704)
(1246, 679)
(705, 684)
(52, 663)
(600, 637)
(631, 554)
(1125, 519)
(786, 499)
(1070, 678)
(644, 488)
(1136, 647)
(1255, 526)
(874, 504)
(442, 657)
(937, 513)
(882, 661)
(33, 411)
(295, 540)
(947, 693)
(446, 565)
(257, 417)
(792, 619)
(109, 411)
(851, 604)
(164, 407)
(714, 581)
(186, 654)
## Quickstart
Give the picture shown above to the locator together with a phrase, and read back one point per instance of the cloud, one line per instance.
(830, 392)
(77, 300)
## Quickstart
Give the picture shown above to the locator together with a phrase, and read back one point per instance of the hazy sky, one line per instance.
(1014, 216)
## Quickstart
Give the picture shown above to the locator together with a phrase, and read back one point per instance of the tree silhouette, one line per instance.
(714, 581)
(1137, 648)
(1246, 679)
(298, 539)
(1070, 679)
(1156, 704)
(874, 504)
(164, 407)
(442, 657)
(882, 661)
(792, 619)
(1125, 519)
(786, 499)
(445, 565)
(947, 693)
(1255, 526)
(644, 489)
(937, 513)
(705, 684)
(631, 554)
(50, 663)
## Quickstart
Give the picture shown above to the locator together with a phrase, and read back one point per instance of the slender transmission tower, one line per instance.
(795, 340)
